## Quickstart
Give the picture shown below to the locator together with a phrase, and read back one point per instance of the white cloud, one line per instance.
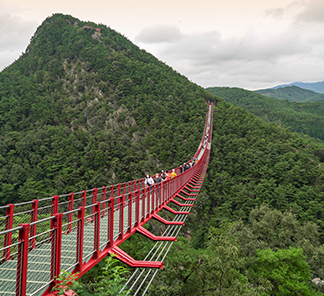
(8, 57)
(210, 48)
(286, 43)
(276, 13)
(159, 34)
(287, 11)
(14, 37)
(313, 12)
(249, 61)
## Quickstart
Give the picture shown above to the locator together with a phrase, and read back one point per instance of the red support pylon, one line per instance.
(79, 245)
(8, 236)
(22, 260)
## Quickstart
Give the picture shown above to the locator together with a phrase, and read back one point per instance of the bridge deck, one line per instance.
(36, 251)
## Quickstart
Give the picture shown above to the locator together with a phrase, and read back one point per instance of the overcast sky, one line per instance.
(251, 44)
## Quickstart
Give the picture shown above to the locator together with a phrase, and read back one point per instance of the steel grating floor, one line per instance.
(39, 259)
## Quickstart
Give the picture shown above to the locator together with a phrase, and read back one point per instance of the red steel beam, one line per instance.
(175, 212)
(151, 236)
(166, 222)
(184, 198)
(124, 257)
(180, 204)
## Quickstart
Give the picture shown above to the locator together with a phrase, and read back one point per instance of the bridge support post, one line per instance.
(121, 217)
(103, 198)
(70, 216)
(22, 260)
(147, 196)
(54, 209)
(142, 196)
(94, 198)
(153, 200)
(137, 207)
(33, 218)
(130, 212)
(79, 245)
(83, 198)
(8, 225)
(56, 241)
(111, 208)
(96, 239)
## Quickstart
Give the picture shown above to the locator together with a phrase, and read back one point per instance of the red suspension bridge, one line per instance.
(73, 232)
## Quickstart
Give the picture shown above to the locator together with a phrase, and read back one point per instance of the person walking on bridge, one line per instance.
(173, 174)
(157, 179)
(167, 175)
(180, 169)
(149, 182)
(163, 175)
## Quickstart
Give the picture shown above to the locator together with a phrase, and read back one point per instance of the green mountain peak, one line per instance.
(85, 107)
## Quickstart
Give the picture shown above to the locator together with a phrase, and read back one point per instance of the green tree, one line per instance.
(219, 269)
(106, 279)
(286, 270)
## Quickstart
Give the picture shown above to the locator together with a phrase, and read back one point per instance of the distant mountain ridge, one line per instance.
(293, 94)
(301, 117)
(314, 86)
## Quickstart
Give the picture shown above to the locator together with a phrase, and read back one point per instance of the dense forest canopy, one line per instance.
(262, 203)
(84, 107)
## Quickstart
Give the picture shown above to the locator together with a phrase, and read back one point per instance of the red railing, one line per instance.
(111, 214)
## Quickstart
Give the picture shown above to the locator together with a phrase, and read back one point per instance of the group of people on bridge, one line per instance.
(187, 166)
(165, 175)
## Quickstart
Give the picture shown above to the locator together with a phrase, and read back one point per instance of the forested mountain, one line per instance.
(84, 107)
(314, 86)
(304, 118)
(292, 93)
(260, 217)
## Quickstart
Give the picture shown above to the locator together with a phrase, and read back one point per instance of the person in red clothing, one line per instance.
(167, 175)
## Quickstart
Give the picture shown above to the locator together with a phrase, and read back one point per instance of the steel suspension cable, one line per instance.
(166, 233)
(165, 245)
(153, 276)
(171, 230)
